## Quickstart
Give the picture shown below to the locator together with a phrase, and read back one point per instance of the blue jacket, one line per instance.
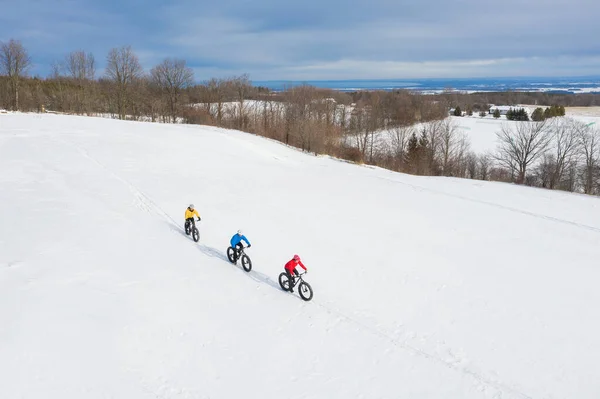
(236, 239)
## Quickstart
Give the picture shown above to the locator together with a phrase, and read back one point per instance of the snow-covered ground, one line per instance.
(424, 287)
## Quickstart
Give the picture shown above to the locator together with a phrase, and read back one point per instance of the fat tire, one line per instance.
(231, 255)
(195, 234)
(246, 263)
(187, 228)
(307, 296)
(283, 278)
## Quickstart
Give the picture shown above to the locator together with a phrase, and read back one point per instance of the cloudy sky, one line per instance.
(320, 39)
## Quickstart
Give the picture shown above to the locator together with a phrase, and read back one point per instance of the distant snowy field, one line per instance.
(424, 287)
(482, 131)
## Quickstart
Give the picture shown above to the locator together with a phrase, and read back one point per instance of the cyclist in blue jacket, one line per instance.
(236, 242)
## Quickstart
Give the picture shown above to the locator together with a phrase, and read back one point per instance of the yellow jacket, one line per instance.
(190, 214)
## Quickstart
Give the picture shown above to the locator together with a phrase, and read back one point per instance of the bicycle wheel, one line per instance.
(305, 291)
(284, 282)
(231, 255)
(187, 228)
(195, 234)
(246, 263)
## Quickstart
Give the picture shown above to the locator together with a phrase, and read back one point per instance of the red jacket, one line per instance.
(291, 265)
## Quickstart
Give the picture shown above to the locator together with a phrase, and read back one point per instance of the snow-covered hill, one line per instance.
(424, 287)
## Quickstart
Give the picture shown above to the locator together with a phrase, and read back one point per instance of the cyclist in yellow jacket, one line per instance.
(189, 215)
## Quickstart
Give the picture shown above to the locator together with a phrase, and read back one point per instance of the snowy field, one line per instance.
(482, 131)
(424, 287)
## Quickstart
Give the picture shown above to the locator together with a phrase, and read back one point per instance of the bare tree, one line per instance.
(298, 114)
(364, 123)
(398, 139)
(123, 69)
(566, 145)
(450, 144)
(544, 171)
(471, 165)
(520, 145)
(484, 163)
(460, 163)
(172, 77)
(432, 131)
(589, 140)
(14, 63)
(242, 87)
(81, 68)
(216, 96)
(343, 109)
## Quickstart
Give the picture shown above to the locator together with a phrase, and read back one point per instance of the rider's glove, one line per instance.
(199, 219)
(249, 245)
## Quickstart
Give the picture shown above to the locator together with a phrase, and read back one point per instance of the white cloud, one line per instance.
(363, 69)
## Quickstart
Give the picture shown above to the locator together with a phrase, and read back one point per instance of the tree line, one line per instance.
(399, 130)
(312, 119)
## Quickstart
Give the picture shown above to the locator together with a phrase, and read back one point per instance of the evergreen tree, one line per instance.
(457, 111)
(517, 115)
(412, 153)
(522, 115)
(496, 113)
(510, 115)
(413, 144)
(482, 113)
(538, 115)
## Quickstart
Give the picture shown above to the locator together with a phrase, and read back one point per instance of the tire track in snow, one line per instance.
(499, 206)
(498, 385)
(145, 202)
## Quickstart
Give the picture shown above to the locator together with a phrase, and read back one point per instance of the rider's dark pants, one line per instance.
(238, 248)
(191, 220)
(291, 278)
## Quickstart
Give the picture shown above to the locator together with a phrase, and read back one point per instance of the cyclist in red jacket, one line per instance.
(290, 270)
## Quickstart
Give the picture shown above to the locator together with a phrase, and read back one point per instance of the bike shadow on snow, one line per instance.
(215, 253)
(264, 279)
(206, 250)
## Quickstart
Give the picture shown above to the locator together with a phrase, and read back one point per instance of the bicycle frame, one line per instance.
(189, 224)
(298, 277)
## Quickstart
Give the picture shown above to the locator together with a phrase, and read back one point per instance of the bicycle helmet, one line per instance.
(296, 257)
(191, 206)
(240, 232)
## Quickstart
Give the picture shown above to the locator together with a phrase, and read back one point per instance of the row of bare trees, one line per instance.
(561, 153)
(124, 90)
(315, 120)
